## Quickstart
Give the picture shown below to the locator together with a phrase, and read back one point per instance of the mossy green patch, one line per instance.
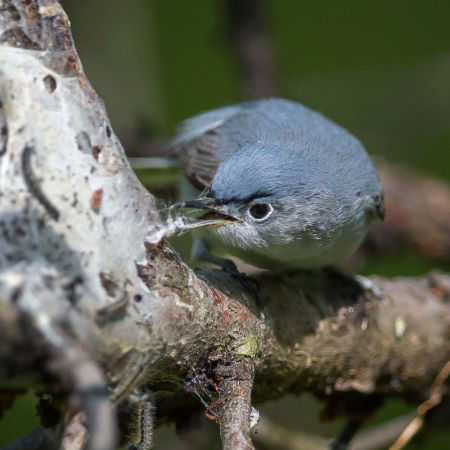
(249, 347)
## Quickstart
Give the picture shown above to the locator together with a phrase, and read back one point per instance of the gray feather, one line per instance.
(205, 141)
(316, 175)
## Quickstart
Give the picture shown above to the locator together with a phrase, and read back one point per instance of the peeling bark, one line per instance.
(94, 312)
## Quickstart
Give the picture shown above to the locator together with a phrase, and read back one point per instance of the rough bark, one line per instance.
(94, 307)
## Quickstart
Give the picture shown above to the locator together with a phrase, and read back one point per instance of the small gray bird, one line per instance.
(283, 187)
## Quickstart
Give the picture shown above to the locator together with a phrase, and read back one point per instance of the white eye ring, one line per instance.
(260, 211)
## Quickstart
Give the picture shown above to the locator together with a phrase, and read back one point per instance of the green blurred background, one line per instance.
(381, 69)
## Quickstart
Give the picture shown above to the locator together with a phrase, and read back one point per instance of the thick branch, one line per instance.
(310, 331)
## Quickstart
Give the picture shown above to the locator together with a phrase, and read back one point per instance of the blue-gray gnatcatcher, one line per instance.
(283, 187)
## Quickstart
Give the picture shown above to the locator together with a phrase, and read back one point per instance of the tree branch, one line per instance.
(417, 211)
(252, 47)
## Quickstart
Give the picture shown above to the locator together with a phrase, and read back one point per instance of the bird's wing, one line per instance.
(202, 142)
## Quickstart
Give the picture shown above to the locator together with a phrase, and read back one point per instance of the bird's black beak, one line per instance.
(212, 214)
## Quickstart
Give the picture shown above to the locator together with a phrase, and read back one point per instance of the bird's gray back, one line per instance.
(206, 140)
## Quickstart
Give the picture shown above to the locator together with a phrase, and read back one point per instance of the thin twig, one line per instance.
(234, 412)
(436, 391)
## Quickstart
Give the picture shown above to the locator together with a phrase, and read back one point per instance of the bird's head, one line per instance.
(261, 196)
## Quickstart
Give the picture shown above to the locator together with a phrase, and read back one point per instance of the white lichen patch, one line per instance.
(68, 195)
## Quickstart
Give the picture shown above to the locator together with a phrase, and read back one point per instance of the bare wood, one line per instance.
(75, 433)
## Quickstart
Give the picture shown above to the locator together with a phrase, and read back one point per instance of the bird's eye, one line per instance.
(260, 211)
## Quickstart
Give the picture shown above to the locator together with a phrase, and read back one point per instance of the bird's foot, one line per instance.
(247, 282)
(201, 253)
(229, 266)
